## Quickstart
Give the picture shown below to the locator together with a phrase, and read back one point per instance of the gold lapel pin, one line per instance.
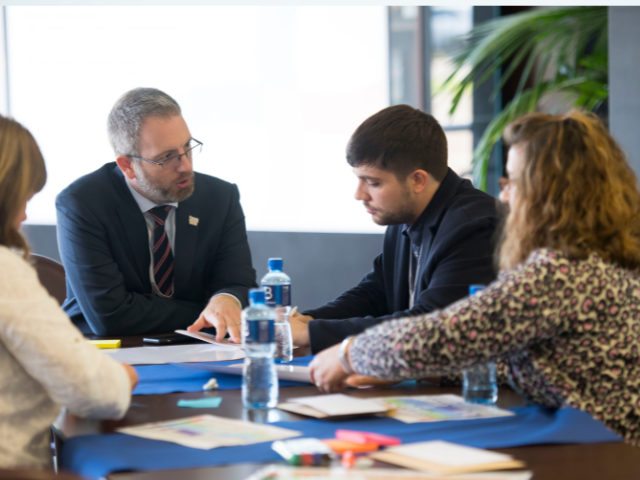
(193, 221)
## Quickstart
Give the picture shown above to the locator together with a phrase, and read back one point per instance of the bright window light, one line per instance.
(274, 93)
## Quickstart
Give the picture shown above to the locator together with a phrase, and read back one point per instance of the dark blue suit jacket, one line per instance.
(459, 226)
(104, 244)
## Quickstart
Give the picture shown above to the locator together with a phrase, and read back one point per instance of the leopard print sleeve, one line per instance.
(516, 311)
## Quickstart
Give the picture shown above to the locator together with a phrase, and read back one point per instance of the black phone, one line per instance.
(169, 339)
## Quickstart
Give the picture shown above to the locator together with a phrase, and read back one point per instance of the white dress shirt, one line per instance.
(169, 227)
(46, 363)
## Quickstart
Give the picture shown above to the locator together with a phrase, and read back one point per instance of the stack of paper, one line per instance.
(295, 373)
(446, 458)
(280, 472)
(175, 354)
(337, 405)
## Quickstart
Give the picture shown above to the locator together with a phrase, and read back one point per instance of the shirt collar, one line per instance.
(433, 210)
(143, 202)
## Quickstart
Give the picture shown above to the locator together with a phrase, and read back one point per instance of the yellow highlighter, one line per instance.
(106, 343)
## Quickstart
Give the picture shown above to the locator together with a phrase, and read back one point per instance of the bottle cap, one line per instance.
(275, 264)
(475, 288)
(256, 295)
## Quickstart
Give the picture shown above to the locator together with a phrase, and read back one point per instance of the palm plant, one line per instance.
(560, 50)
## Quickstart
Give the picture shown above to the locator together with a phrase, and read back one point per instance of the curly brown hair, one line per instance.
(22, 173)
(576, 194)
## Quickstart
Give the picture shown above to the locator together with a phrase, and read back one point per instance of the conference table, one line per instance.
(595, 461)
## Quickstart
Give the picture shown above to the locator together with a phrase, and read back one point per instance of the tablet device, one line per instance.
(168, 339)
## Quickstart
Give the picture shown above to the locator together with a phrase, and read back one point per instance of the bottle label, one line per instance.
(260, 331)
(277, 295)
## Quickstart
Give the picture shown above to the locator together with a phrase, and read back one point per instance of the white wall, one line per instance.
(624, 68)
(273, 93)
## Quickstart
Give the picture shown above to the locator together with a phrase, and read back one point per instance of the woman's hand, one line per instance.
(132, 374)
(326, 370)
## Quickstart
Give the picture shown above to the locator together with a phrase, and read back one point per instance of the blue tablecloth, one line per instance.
(95, 456)
(156, 379)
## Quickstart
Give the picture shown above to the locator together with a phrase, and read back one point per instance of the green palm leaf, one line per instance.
(560, 49)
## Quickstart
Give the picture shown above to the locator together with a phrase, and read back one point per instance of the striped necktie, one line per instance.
(162, 256)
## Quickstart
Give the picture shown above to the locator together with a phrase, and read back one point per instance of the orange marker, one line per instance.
(348, 459)
(340, 446)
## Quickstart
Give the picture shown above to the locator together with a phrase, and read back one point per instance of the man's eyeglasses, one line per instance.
(170, 160)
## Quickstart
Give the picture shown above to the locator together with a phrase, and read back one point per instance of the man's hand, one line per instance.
(326, 370)
(299, 331)
(223, 313)
(301, 318)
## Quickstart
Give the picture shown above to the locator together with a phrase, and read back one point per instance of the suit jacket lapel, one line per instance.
(431, 216)
(403, 255)
(134, 227)
(436, 210)
(185, 247)
(425, 250)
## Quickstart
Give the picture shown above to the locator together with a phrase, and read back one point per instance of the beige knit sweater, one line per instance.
(45, 363)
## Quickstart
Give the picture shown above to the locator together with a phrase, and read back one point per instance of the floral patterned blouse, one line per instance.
(569, 330)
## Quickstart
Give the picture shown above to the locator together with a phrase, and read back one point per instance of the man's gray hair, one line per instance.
(130, 112)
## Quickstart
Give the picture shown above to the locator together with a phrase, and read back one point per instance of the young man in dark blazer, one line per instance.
(147, 244)
(441, 229)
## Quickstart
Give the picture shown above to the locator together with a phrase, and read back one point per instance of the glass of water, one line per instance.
(479, 384)
(282, 332)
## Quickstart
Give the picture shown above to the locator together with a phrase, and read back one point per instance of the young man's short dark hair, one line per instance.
(400, 139)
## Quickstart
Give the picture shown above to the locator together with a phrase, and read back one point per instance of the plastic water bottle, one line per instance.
(259, 378)
(479, 384)
(277, 287)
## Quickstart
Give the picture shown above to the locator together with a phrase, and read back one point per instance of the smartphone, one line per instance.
(169, 339)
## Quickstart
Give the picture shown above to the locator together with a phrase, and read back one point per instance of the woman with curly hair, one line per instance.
(564, 312)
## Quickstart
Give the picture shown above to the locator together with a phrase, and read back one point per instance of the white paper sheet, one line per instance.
(208, 431)
(339, 404)
(207, 337)
(175, 354)
(294, 373)
(451, 454)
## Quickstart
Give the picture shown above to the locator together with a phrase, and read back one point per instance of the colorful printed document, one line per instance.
(436, 408)
(208, 431)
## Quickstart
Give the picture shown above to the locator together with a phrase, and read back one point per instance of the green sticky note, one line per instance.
(212, 402)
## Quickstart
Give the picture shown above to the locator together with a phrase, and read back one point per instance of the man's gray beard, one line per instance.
(159, 195)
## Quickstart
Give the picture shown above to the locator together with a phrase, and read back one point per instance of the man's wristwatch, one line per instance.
(344, 352)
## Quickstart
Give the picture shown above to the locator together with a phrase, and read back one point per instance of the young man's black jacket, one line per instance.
(456, 236)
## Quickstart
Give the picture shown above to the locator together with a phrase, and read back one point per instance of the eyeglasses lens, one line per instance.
(193, 151)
